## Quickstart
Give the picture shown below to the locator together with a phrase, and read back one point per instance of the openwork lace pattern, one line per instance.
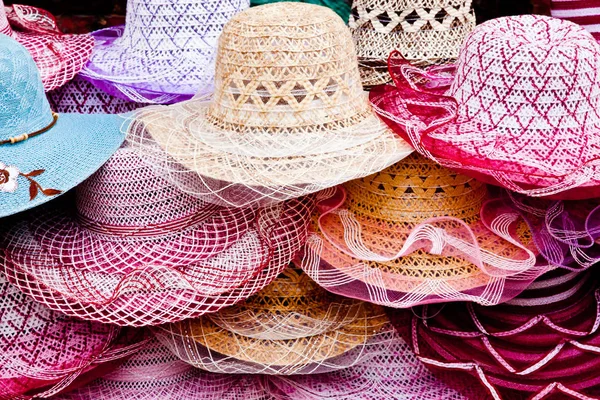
(424, 32)
(288, 115)
(418, 233)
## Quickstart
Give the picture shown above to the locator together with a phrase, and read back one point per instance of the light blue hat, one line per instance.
(43, 154)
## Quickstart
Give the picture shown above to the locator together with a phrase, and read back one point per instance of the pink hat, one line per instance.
(58, 56)
(520, 109)
(583, 12)
(137, 251)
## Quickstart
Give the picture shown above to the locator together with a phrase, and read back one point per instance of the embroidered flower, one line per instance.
(8, 178)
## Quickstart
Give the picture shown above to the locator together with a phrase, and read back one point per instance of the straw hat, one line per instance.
(423, 31)
(43, 154)
(341, 7)
(583, 13)
(137, 251)
(521, 108)
(291, 327)
(542, 344)
(288, 116)
(80, 96)
(165, 51)
(58, 56)
(418, 233)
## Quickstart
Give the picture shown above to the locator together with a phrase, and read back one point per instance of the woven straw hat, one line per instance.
(165, 51)
(58, 56)
(43, 154)
(288, 116)
(42, 351)
(543, 344)
(341, 7)
(521, 108)
(137, 251)
(418, 233)
(80, 96)
(423, 31)
(291, 327)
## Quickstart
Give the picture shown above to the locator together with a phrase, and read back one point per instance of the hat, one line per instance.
(422, 31)
(291, 327)
(58, 56)
(341, 7)
(42, 351)
(80, 96)
(582, 12)
(419, 233)
(165, 51)
(543, 343)
(43, 154)
(288, 117)
(137, 251)
(521, 108)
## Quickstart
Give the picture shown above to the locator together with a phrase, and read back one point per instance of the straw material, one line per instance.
(291, 327)
(490, 117)
(341, 7)
(423, 31)
(543, 344)
(418, 233)
(139, 252)
(59, 57)
(288, 116)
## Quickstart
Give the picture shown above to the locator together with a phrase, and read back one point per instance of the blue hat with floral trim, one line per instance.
(43, 154)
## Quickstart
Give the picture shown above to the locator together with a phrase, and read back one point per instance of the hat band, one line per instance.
(25, 136)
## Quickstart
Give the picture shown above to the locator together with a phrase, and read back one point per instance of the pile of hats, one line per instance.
(230, 200)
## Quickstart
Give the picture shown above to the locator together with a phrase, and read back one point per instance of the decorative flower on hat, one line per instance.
(8, 178)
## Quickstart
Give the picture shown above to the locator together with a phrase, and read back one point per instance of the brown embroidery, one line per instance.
(35, 188)
(9, 184)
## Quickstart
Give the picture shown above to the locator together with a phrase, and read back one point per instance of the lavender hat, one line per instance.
(165, 51)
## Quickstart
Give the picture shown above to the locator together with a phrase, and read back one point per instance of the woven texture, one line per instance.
(80, 96)
(542, 344)
(520, 109)
(341, 7)
(164, 53)
(291, 327)
(288, 116)
(139, 252)
(419, 233)
(583, 12)
(423, 31)
(59, 57)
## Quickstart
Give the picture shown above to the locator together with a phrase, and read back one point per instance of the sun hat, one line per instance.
(43, 154)
(341, 7)
(541, 344)
(137, 251)
(417, 233)
(424, 31)
(290, 327)
(583, 12)
(520, 109)
(58, 56)
(80, 96)
(43, 351)
(288, 116)
(165, 51)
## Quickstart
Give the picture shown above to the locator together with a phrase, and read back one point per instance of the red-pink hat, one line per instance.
(583, 12)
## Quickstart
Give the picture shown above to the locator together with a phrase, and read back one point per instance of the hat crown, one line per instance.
(415, 189)
(126, 192)
(529, 75)
(287, 67)
(23, 105)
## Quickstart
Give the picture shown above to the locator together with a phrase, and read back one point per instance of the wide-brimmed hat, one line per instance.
(43, 351)
(418, 233)
(424, 32)
(80, 96)
(43, 154)
(520, 109)
(290, 327)
(341, 7)
(58, 56)
(137, 251)
(288, 116)
(541, 344)
(584, 13)
(165, 51)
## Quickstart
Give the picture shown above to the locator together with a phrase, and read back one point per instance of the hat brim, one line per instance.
(59, 159)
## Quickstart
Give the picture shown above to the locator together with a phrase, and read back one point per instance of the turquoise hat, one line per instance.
(43, 154)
